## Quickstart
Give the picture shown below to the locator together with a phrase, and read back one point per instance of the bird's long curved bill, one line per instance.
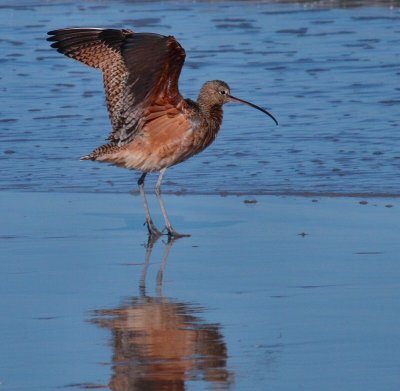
(234, 99)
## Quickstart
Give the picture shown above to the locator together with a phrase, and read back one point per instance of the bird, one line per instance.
(153, 126)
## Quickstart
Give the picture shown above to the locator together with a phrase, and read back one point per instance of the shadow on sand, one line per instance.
(160, 343)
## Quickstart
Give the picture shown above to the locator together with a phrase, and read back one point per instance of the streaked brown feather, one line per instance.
(138, 69)
(105, 149)
(154, 63)
(101, 49)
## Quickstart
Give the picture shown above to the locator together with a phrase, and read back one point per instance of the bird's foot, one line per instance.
(153, 230)
(172, 234)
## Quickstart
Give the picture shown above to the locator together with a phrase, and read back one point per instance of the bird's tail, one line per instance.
(86, 157)
(101, 151)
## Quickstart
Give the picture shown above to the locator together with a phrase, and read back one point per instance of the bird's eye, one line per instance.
(222, 92)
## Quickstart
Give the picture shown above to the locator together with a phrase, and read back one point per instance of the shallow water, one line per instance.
(330, 76)
(282, 294)
(279, 293)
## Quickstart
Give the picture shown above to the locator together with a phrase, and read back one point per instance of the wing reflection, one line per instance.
(160, 344)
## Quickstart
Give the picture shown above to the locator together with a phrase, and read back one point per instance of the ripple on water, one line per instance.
(319, 70)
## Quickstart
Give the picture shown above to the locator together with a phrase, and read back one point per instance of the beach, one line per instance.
(290, 278)
(294, 293)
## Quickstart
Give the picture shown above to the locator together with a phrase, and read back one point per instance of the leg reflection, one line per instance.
(160, 343)
(149, 249)
(160, 275)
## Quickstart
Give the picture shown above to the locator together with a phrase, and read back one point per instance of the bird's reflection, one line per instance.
(160, 344)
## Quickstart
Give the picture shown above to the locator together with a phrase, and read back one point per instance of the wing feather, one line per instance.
(154, 63)
(169, 138)
(140, 70)
(101, 49)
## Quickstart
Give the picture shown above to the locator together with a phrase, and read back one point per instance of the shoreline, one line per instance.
(150, 191)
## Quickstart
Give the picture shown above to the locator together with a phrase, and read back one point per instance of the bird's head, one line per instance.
(217, 92)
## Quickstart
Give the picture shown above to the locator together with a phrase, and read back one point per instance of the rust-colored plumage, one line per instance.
(153, 126)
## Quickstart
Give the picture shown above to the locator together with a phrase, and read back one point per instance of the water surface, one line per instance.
(282, 294)
(329, 74)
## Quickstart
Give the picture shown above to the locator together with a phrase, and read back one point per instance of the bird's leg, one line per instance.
(153, 231)
(168, 226)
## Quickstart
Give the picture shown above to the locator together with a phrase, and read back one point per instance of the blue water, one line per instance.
(246, 302)
(330, 76)
(276, 293)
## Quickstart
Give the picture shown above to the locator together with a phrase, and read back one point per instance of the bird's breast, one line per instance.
(207, 129)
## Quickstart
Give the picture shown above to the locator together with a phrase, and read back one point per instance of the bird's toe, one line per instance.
(173, 234)
(153, 230)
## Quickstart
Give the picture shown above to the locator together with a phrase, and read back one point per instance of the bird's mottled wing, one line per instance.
(139, 69)
(101, 49)
(154, 63)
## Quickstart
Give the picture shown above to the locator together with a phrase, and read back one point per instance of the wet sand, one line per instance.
(277, 293)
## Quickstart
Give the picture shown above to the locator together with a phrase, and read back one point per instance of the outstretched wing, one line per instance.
(101, 49)
(140, 70)
(154, 63)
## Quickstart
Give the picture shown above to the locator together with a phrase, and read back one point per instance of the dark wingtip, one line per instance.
(52, 36)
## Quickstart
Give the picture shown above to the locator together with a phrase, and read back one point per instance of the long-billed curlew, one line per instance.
(153, 126)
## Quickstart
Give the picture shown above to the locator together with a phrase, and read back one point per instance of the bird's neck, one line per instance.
(207, 119)
(211, 115)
